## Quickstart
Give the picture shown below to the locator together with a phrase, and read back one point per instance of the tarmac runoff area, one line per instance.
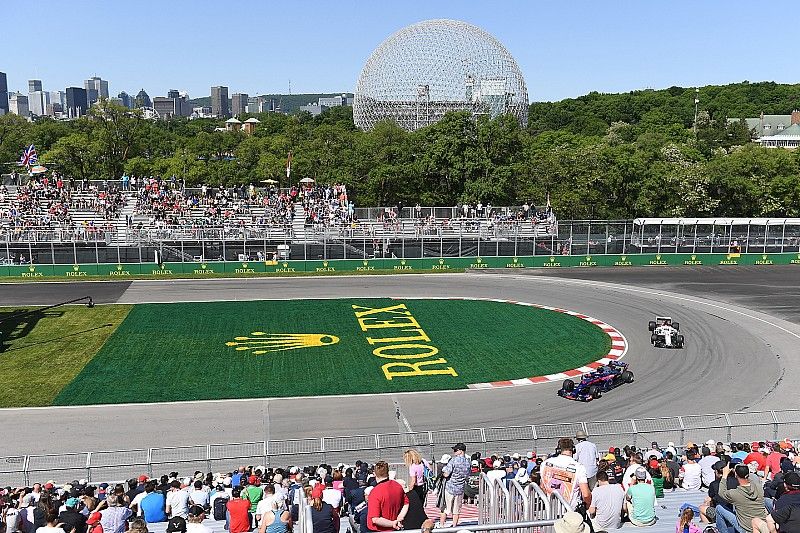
(741, 354)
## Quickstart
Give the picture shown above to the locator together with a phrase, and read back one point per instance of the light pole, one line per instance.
(696, 102)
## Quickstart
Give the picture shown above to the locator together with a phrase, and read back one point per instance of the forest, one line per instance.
(598, 156)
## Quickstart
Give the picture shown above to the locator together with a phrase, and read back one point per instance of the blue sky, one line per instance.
(564, 48)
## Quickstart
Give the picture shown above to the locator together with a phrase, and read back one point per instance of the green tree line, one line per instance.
(600, 155)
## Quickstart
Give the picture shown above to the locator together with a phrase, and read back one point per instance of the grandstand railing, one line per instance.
(540, 438)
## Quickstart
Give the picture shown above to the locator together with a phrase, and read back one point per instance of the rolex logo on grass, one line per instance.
(260, 342)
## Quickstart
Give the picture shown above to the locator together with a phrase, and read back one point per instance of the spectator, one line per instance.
(115, 516)
(562, 468)
(706, 467)
(177, 501)
(176, 524)
(691, 473)
(195, 523)
(416, 472)
(634, 464)
(93, 524)
(51, 524)
(747, 499)
(586, 454)
(571, 522)
(708, 509)
(455, 472)
(388, 503)
(607, 502)
(253, 492)
(654, 470)
(641, 500)
(787, 508)
(415, 517)
(773, 461)
(138, 526)
(774, 488)
(673, 466)
(74, 521)
(497, 473)
(685, 522)
(199, 496)
(321, 512)
(239, 512)
(273, 520)
(153, 505)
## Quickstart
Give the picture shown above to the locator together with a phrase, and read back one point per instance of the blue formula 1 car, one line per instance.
(593, 384)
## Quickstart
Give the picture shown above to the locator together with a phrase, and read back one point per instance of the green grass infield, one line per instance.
(276, 348)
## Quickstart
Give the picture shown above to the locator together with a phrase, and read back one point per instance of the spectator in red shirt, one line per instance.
(773, 462)
(239, 510)
(387, 503)
(756, 456)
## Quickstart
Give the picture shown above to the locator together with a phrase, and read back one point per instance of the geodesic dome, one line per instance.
(429, 68)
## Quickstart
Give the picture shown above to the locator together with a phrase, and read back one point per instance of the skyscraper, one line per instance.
(96, 88)
(239, 103)
(219, 101)
(18, 104)
(34, 85)
(3, 94)
(126, 99)
(76, 102)
(143, 99)
(38, 101)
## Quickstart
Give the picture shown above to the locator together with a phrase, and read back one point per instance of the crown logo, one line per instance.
(365, 262)
(658, 257)
(480, 260)
(31, 268)
(119, 267)
(764, 257)
(403, 261)
(515, 259)
(260, 342)
(324, 263)
(285, 265)
(161, 266)
(552, 259)
(588, 257)
(244, 265)
(694, 257)
(75, 268)
(203, 266)
(623, 257)
(441, 261)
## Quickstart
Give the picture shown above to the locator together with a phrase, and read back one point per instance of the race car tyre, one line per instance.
(653, 339)
(568, 385)
(594, 391)
(627, 376)
(651, 326)
(677, 326)
(679, 341)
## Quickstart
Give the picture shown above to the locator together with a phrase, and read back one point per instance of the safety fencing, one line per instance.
(539, 438)
(245, 268)
(501, 503)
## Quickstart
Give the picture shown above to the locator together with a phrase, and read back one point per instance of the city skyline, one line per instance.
(564, 50)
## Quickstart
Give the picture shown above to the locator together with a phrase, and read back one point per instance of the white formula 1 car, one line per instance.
(664, 333)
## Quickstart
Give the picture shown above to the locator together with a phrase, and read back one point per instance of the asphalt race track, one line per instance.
(741, 328)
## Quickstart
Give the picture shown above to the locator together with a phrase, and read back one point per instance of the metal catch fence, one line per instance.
(540, 438)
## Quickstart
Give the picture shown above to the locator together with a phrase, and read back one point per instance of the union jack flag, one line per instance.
(29, 157)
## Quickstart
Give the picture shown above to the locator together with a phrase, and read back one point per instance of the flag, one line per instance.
(548, 200)
(29, 157)
(289, 165)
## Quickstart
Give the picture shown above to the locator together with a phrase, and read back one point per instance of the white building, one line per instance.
(18, 104)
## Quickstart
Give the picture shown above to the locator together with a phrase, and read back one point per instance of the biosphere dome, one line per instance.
(429, 68)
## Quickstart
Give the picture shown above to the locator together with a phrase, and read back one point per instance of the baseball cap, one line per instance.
(254, 480)
(529, 455)
(711, 442)
(653, 463)
(792, 479)
(316, 492)
(176, 524)
(94, 518)
(497, 464)
(719, 465)
(143, 478)
(48, 486)
(445, 459)
(460, 446)
(72, 502)
(609, 457)
(641, 473)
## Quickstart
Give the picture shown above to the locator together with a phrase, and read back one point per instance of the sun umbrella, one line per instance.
(307, 180)
(38, 169)
(269, 182)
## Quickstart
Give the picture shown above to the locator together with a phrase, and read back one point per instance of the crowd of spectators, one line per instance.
(325, 205)
(750, 487)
